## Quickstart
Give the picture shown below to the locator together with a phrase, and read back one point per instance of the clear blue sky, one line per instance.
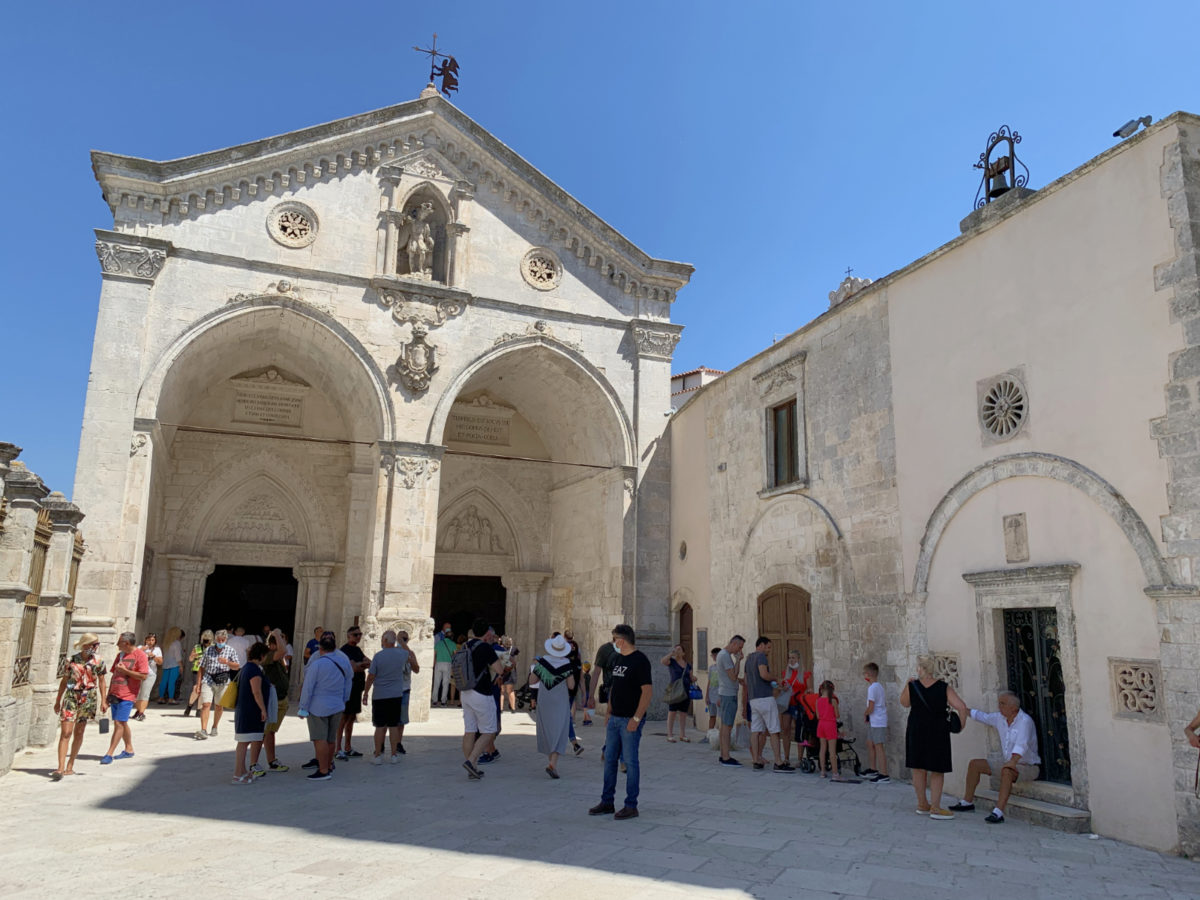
(770, 144)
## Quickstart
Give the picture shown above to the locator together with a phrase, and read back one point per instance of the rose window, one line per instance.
(541, 269)
(292, 224)
(1004, 408)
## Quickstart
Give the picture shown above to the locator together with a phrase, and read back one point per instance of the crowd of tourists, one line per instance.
(747, 705)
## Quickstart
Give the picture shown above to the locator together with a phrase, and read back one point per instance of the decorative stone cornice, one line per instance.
(24, 487)
(64, 515)
(655, 340)
(189, 567)
(780, 374)
(528, 581)
(131, 256)
(421, 302)
(389, 136)
(1056, 576)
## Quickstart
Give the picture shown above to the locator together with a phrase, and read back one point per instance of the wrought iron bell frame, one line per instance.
(992, 185)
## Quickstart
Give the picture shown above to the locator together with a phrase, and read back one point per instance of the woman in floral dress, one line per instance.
(80, 694)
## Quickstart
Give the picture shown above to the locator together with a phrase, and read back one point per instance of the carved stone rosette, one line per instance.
(417, 362)
(129, 256)
(656, 343)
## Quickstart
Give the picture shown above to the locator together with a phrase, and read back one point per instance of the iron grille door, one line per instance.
(1035, 675)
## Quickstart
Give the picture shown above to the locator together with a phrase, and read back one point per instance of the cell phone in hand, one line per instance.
(104, 726)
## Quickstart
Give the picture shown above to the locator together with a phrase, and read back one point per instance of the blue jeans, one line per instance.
(621, 745)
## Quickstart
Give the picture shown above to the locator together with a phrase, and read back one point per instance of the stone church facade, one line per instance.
(374, 371)
(989, 456)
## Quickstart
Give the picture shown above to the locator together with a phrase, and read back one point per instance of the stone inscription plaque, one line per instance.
(267, 407)
(476, 429)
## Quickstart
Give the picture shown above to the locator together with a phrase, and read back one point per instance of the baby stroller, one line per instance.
(524, 695)
(809, 744)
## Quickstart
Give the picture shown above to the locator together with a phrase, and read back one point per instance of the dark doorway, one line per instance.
(460, 599)
(1035, 674)
(251, 596)
(685, 632)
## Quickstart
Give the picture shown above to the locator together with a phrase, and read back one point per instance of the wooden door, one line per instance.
(785, 616)
(685, 632)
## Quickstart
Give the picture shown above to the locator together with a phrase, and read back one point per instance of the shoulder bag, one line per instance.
(953, 723)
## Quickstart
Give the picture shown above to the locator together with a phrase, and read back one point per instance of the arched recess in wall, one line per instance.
(1043, 465)
(579, 393)
(440, 216)
(322, 349)
(801, 569)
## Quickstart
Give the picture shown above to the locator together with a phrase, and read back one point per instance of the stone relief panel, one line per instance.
(1135, 689)
(136, 262)
(258, 520)
(472, 532)
(411, 470)
(945, 667)
(1016, 539)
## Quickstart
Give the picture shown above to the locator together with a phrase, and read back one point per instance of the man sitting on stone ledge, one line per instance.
(1018, 743)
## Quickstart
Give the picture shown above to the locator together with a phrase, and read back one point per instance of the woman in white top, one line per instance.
(154, 656)
(172, 665)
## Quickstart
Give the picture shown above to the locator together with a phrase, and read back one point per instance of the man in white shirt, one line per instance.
(1020, 760)
(241, 643)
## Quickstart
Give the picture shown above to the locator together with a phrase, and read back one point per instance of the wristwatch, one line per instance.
(636, 720)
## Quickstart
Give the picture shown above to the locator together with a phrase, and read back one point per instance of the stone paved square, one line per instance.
(170, 819)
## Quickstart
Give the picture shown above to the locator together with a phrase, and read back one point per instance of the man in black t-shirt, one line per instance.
(360, 662)
(606, 655)
(628, 699)
(480, 713)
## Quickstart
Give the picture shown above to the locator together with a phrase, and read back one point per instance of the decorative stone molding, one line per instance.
(653, 340)
(258, 520)
(945, 667)
(1135, 689)
(292, 224)
(541, 269)
(781, 374)
(412, 469)
(131, 256)
(412, 463)
(426, 303)
(847, 289)
(1044, 465)
(1003, 404)
(541, 328)
(417, 362)
(275, 290)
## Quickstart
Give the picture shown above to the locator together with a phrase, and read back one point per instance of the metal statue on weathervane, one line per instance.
(447, 71)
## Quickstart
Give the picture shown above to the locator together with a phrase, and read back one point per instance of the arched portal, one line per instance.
(264, 417)
(533, 499)
(785, 616)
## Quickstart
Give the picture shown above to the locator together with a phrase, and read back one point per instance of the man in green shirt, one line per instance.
(443, 651)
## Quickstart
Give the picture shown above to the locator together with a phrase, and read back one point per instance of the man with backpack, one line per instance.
(474, 669)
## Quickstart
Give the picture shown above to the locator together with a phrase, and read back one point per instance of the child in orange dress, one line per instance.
(827, 730)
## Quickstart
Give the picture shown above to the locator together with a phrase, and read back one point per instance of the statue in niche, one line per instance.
(416, 237)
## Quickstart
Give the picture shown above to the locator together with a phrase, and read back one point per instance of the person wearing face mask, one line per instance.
(443, 652)
(80, 693)
(216, 664)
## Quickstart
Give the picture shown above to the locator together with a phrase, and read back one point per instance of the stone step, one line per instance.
(1038, 812)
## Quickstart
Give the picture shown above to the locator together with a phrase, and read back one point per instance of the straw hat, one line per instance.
(86, 639)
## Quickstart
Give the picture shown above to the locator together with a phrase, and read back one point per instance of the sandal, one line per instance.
(670, 740)
(686, 740)
(552, 773)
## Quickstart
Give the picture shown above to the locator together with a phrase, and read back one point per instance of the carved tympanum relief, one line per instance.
(258, 520)
(470, 532)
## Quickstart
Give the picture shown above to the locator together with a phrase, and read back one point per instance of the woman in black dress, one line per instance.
(927, 738)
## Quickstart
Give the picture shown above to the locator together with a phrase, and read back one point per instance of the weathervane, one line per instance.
(447, 71)
(993, 185)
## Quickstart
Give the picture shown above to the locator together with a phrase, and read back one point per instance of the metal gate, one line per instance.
(1035, 674)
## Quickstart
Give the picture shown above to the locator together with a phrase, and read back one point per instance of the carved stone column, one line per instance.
(49, 641)
(186, 577)
(312, 599)
(462, 196)
(146, 441)
(655, 342)
(527, 615)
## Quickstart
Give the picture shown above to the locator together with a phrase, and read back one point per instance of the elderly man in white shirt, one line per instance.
(1018, 743)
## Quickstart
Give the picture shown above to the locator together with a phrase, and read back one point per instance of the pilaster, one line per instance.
(527, 614)
(186, 577)
(312, 610)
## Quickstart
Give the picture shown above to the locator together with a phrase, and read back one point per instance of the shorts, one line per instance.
(1025, 771)
(323, 728)
(729, 707)
(212, 693)
(479, 713)
(272, 727)
(147, 687)
(764, 715)
(712, 708)
(354, 704)
(386, 712)
(121, 710)
(242, 738)
(877, 734)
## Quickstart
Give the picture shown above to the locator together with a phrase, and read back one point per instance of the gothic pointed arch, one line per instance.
(473, 522)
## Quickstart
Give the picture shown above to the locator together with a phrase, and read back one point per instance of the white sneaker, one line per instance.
(377, 760)
(395, 758)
